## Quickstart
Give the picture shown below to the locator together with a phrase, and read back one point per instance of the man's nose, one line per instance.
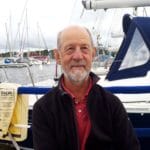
(77, 53)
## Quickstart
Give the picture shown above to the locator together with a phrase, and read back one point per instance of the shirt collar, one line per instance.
(71, 94)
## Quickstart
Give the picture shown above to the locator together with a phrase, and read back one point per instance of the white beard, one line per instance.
(76, 76)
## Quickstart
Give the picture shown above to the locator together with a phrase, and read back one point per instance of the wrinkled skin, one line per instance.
(75, 54)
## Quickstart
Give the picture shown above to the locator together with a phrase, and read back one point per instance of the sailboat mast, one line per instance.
(27, 34)
(8, 41)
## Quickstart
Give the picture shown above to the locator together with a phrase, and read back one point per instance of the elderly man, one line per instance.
(79, 114)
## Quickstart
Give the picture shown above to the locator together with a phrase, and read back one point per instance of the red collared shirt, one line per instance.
(82, 117)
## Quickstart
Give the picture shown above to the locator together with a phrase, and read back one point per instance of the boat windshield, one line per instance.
(137, 54)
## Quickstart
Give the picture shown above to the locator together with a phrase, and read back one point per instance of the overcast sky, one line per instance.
(37, 18)
(48, 15)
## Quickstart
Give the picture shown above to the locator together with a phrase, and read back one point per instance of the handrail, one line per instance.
(129, 89)
(33, 90)
(18, 65)
(113, 89)
(142, 132)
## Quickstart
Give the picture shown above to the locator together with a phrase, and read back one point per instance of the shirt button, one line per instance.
(76, 102)
(79, 110)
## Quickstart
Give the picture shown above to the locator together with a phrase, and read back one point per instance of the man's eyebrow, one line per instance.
(69, 45)
(85, 45)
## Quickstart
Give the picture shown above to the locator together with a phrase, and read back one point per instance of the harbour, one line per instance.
(126, 73)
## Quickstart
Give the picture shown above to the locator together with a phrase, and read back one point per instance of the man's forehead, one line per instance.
(72, 34)
(74, 30)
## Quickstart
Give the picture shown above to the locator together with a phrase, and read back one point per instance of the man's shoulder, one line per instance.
(102, 90)
(106, 94)
(47, 99)
(108, 99)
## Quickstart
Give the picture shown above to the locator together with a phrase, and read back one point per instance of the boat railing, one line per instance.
(4, 66)
(113, 89)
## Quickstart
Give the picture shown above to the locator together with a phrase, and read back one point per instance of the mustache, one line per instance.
(78, 63)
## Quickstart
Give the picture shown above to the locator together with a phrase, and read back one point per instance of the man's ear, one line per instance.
(57, 56)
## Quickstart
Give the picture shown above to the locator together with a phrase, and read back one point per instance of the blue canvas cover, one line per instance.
(133, 57)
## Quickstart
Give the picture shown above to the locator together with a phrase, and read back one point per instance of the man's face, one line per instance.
(76, 54)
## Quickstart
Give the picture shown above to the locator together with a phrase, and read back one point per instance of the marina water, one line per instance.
(21, 75)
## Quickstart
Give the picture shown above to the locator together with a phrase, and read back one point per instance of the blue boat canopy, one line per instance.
(133, 57)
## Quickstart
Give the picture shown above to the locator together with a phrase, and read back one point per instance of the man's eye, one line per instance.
(69, 49)
(84, 49)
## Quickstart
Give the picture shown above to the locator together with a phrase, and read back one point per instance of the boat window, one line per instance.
(137, 54)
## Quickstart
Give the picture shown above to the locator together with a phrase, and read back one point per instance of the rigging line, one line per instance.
(96, 20)
(22, 42)
(10, 32)
(38, 36)
(100, 14)
(135, 11)
(97, 25)
(110, 27)
(145, 12)
(8, 40)
(82, 12)
(43, 39)
(27, 32)
(21, 18)
(24, 10)
(118, 33)
(24, 35)
(71, 14)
